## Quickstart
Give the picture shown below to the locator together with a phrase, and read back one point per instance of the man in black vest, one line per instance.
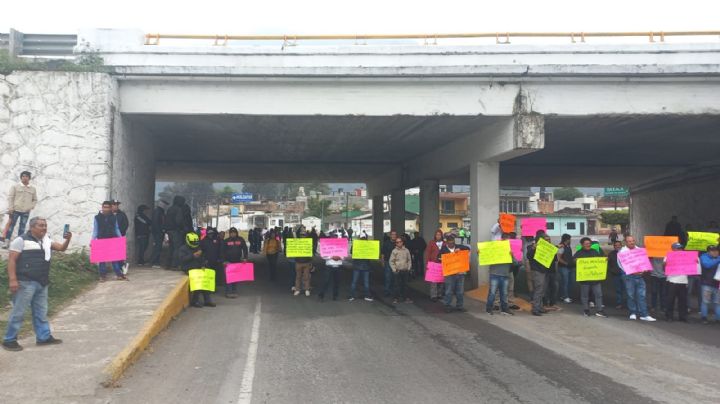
(106, 226)
(28, 277)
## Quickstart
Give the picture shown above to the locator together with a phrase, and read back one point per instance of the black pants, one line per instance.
(157, 248)
(401, 279)
(332, 274)
(676, 292)
(195, 297)
(272, 265)
(219, 273)
(550, 288)
(176, 239)
(141, 244)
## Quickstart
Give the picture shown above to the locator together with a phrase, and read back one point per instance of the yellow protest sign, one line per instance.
(456, 263)
(545, 253)
(299, 247)
(591, 269)
(202, 279)
(494, 252)
(699, 241)
(366, 249)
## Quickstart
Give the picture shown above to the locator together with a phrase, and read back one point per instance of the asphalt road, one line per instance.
(271, 347)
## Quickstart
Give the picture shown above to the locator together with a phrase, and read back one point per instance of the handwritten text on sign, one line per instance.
(456, 263)
(507, 222)
(202, 279)
(681, 263)
(634, 260)
(530, 226)
(366, 249)
(434, 273)
(108, 250)
(659, 246)
(239, 272)
(299, 247)
(494, 252)
(334, 247)
(699, 241)
(545, 253)
(591, 269)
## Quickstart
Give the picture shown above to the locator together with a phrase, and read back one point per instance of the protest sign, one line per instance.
(681, 263)
(434, 273)
(516, 248)
(108, 250)
(333, 247)
(494, 252)
(591, 269)
(366, 249)
(299, 247)
(699, 241)
(239, 272)
(634, 260)
(456, 263)
(545, 253)
(530, 225)
(507, 222)
(202, 279)
(659, 246)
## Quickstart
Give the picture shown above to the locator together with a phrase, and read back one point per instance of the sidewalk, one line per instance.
(102, 330)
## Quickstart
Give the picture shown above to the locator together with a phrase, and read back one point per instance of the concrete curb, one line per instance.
(172, 305)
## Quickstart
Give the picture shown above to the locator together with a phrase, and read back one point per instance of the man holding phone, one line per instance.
(28, 271)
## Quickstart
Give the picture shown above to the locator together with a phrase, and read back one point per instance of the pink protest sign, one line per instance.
(239, 272)
(634, 260)
(434, 273)
(516, 248)
(333, 247)
(530, 226)
(108, 250)
(681, 263)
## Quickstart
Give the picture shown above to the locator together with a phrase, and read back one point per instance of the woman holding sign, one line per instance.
(432, 254)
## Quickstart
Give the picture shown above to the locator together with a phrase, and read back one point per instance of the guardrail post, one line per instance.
(15, 43)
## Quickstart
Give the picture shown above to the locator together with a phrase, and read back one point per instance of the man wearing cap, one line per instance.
(157, 232)
(635, 287)
(22, 198)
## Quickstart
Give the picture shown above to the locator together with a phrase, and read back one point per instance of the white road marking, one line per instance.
(249, 373)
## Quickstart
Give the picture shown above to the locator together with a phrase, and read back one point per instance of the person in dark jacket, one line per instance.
(539, 276)
(388, 245)
(454, 284)
(123, 225)
(106, 226)
(211, 247)
(175, 230)
(234, 250)
(142, 233)
(417, 250)
(191, 257)
(158, 232)
(618, 275)
(588, 252)
(709, 263)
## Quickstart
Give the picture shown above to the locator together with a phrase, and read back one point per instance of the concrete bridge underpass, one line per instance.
(642, 116)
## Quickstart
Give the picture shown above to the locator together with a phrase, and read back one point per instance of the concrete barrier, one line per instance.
(174, 303)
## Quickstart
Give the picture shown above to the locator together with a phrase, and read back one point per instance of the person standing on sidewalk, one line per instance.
(432, 254)
(142, 233)
(123, 224)
(361, 269)
(22, 199)
(539, 277)
(271, 249)
(400, 263)
(677, 290)
(454, 284)
(303, 267)
(566, 268)
(191, 257)
(28, 270)
(588, 252)
(175, 230)
(499, 281)
(618, 275)
(388, 246)
(709, 263)
(333, 266)
(106, 226)
(234, 250)
(635, 286)
(157, 230)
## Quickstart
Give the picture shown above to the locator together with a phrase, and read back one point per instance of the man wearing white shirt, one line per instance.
(635, 286)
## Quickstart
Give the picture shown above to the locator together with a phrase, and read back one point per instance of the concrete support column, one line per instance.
(397, 210)
(429, 208)
(484, 205)
(377, 216)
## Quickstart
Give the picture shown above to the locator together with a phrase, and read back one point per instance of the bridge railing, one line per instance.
(41, 45)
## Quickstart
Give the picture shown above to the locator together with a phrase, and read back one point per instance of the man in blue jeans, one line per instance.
(387, 247)
(635, 287)
(709, 263)
(28, 271)
(22, 198)
(566, 268)
(454, 284)
(499, 281)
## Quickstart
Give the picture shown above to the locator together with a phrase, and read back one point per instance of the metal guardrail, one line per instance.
(500, 37)
(44, 45)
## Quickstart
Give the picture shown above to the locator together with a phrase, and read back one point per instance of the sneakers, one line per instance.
(448, 309)
(296, 293)
(647, 318)
(507, 313)
(592, 304)
(395, 301)
(121, 278)
(514, 307)
(12, 346)
(307, 293)
(351, 299)
(633, 317)
(125, 268)
(460, 309)
(50, 341)
(586, 313)
(488, 311)
(210, 304)
(368, 299)
(156, 266)
(567, 300)
(536, 313)
(705, 320)
(292, 289)
(603, 315)
(408, 300)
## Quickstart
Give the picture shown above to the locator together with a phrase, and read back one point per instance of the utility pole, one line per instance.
(347, 207)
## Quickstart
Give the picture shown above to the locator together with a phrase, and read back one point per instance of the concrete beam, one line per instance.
(377, 217)
(590, 175)
(484, 197)
(505, 139)
(384, 183)
(429, 208)
(397, 210)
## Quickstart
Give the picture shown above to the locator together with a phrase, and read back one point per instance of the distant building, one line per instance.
(515, 200)
(454, 211)
(586, 203)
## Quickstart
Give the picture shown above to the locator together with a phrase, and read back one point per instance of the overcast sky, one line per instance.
(353, 17)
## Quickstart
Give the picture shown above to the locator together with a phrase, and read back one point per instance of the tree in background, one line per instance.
(566, 194)
(317, 207)
(226, 193)
(197, 194)
(286, 191)
(262, 191)
(616, 218)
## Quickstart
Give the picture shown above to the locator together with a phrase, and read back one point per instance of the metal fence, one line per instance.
(41, 45)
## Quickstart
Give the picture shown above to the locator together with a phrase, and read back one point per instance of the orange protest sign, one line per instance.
(456, 263)
(507, 222)
(659, 246)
